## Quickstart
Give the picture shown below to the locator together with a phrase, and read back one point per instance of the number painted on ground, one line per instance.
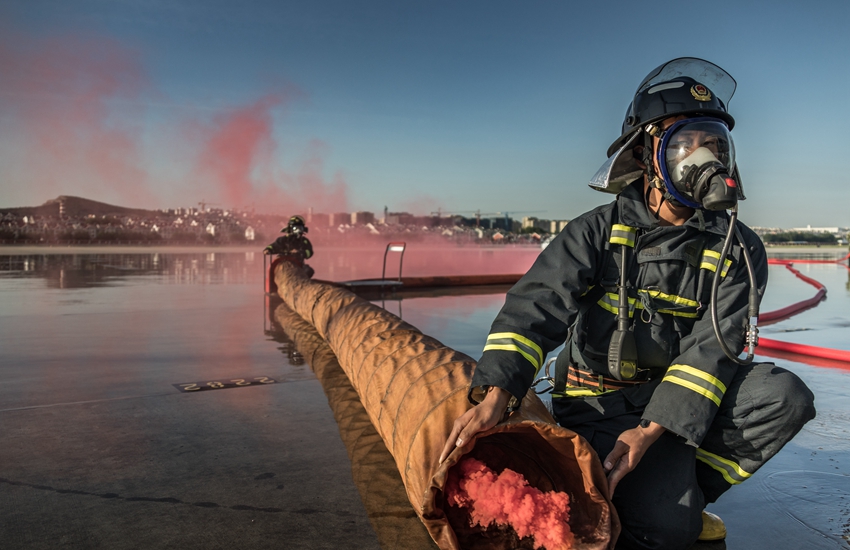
(224, 384)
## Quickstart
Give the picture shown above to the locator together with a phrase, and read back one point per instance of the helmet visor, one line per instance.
(718, 81)
(692, 149)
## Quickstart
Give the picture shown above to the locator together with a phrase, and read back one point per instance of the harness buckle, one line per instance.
(547, 377)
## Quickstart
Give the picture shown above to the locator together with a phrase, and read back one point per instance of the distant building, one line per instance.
(340, 218)
(249, 233)
(556, 226)
(362, 218)
(810, 229)
(508, 224)
(319, 220)
(399, 218)
(210, 229)
(530, 222)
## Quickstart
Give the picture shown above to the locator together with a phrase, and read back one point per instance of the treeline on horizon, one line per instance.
(802, 237)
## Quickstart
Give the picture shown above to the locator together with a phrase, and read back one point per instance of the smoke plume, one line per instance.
(77, 117)
(70, 106)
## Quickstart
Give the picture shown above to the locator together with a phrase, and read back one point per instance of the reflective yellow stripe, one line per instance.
(730, 471)
(693, 387)
(713, 380)
(522, 340)
(513, 347)
(623, 234)
(710, 259)
(611, 302)
(572, 391)
(678, 300)
(676, 313)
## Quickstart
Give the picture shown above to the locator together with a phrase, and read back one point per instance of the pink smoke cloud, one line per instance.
(73, 103)
(237, 163)
(78, 108)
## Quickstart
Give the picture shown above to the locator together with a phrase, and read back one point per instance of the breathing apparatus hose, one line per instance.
(752, 310)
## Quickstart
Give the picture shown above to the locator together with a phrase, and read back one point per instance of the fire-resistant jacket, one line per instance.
(289, 243)
(572, 289)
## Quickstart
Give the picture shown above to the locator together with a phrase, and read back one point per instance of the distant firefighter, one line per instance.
(293, 246)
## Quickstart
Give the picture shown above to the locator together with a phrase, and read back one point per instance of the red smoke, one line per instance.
(508, 499)
(71, 101)
(237, 165)
(238, 142)
(79, 106)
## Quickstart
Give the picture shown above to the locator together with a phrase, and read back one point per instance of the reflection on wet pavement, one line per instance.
(91, 345)
(819, 501)
(373, 468)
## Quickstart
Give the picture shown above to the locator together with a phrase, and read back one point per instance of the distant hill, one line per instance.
(76, 207)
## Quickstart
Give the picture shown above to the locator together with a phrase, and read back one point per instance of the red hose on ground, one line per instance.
(802, 349)
(781, 314)
(788, 311)
(800, 261)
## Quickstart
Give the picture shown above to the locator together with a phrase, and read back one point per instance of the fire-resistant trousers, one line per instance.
(660, 502)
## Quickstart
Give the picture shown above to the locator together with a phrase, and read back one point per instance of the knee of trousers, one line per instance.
(663, 527)
(791, 400)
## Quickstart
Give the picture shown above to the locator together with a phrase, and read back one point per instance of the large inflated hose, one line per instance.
(413, 388)
(372, 467)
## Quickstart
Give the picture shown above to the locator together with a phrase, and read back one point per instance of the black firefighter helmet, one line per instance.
(685, 86)
(295, 225)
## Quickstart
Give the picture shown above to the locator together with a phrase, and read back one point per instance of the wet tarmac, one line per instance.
(107, 443)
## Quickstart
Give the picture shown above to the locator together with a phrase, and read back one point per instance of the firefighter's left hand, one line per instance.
(627, 452)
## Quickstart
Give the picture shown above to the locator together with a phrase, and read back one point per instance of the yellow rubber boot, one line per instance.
(712, 527)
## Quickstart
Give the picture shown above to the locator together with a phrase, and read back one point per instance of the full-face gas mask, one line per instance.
(697, 161)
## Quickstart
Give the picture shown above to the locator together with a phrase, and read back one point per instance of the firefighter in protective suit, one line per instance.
(293, 246)
(628, 286)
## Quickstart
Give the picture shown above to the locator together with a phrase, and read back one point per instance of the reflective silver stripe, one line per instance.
(697, 381)
(730, 471)
(511, 341)
(710, 259)
(623, 234)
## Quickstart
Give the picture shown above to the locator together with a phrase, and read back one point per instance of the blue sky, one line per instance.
(493, 106)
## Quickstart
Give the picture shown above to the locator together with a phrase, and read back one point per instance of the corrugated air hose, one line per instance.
(413, 388)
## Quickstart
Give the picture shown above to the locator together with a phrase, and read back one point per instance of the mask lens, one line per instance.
(695, 145)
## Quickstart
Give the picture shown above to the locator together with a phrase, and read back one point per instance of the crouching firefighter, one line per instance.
(656, 296)
(293, 246)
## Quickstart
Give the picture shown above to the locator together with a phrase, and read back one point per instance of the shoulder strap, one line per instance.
(603, 281)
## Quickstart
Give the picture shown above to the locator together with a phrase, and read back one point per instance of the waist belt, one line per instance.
(580, 378)
(574, 377)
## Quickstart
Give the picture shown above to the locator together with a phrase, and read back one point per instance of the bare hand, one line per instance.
(478, 419)
(628, 450)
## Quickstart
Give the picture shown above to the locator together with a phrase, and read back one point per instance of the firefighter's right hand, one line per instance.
(266, 252)
(478, 419)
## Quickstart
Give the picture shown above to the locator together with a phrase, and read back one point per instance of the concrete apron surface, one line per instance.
(100, 448)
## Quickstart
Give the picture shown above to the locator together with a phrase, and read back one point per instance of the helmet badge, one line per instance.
(700, 92)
